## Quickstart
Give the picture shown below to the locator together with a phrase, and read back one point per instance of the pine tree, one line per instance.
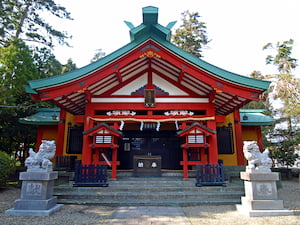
(191, 36)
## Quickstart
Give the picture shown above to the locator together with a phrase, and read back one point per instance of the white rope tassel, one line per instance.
(142, 126)
(176, 124)
(158, 126)
(122, 125)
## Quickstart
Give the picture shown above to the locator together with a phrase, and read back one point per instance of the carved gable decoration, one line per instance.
(149, 95)
(158, 91)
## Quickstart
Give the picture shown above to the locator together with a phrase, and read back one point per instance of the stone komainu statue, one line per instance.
(40, 161)
(257, 161)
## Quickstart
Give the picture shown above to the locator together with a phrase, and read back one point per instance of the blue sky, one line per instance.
(238, 28)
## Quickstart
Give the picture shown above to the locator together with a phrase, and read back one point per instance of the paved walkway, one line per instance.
(146, 215)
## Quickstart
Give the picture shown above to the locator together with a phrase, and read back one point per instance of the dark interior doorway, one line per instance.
(163, 143)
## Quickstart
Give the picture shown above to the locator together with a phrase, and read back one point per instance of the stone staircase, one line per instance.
(168, 190)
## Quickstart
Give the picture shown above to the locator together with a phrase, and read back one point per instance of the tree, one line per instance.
(46, 63)
(21, 23)
(69, 66)
(7, 167)
(98, 55)
(285, 86)
(16, 68)
(191, 36)
(21, 19)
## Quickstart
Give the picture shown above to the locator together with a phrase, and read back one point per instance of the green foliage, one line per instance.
(98, 55)
(7, 167)
(285, 87)
(283, 58)
(22, 19)
(283, 146)
(22, 23)
(16, 68)
(191, 36)
(46, 63)
(284, 153)
(69, 66)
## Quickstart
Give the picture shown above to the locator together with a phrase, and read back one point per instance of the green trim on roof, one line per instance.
(150, 15)
(148, 30)
(29, 90)
(44, 116)
(255, 117)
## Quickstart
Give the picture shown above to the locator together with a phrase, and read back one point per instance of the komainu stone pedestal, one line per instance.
(36, 195)
(261, 195)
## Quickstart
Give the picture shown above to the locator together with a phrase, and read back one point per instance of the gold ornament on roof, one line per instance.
(150, 54)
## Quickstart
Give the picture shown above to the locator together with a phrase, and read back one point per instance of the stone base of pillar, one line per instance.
(261, 195)
(36, 195)
(263, 212)
(33, 212)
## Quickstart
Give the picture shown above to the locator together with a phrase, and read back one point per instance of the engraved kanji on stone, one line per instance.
(34, 189)
(264, 189)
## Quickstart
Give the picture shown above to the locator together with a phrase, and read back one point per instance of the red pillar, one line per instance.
(213, 144)
(39, 137)
(114, 164)
(61, 133)
(238, 138)
(185, 163)
(86, 148)
(259, 138)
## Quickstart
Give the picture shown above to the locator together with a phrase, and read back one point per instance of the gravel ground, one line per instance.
(88, 215)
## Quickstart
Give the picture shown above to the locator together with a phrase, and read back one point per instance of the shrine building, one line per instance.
(149, 99)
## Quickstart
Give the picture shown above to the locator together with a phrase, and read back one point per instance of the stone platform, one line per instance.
(36, 195)
(261, 197)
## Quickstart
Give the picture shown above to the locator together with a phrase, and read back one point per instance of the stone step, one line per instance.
(148, 188)
(159, 191)
(150, 202)
(148, 195)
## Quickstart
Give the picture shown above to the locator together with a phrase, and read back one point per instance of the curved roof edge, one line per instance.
(149, 30)
(255, 117)
(43, 116)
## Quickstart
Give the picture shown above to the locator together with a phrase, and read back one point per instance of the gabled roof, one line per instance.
(196, 125)
(187, 70)
(255, 117)
(105, 126)
(44, 116)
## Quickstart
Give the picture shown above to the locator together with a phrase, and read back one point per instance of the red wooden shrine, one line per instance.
(198, 146)
(102, 145)
(149, 84)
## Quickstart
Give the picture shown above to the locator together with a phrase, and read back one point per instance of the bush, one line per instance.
(284, 154)
(7, 167)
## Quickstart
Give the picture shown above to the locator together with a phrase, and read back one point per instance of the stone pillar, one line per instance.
(36, 195)
(260, 185)
(37, 184)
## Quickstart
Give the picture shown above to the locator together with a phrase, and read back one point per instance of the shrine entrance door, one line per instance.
(150, 142)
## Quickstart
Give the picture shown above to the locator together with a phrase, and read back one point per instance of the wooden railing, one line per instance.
(210, 175)
(90, 175)
(65, 163)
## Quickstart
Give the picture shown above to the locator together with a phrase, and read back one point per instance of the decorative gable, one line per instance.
(162, 87)
(151, 60)
(158, 91)
(102, 129)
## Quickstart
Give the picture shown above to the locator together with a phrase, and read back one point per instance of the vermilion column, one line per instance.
(114, 163)
(259, 138)
(213, 144)
(184, 163)
(238, 138)
(86, 148)
(61, 133)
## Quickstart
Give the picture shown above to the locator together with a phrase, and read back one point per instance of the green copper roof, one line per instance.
(44, 116)
(255, 117)
(149, 29)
